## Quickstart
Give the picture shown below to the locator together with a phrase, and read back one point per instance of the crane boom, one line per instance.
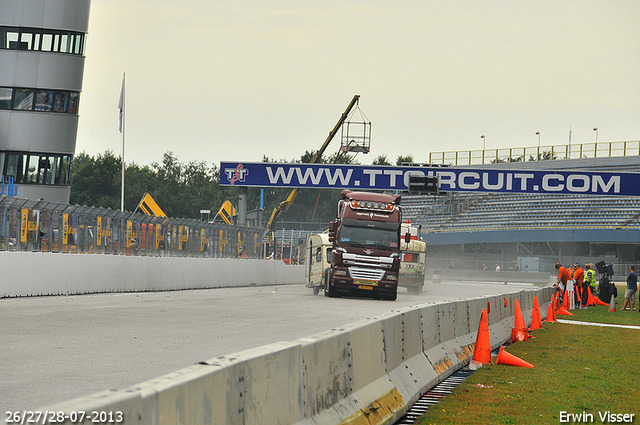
(284, 205)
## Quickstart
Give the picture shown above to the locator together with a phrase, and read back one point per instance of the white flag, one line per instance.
(121, 103)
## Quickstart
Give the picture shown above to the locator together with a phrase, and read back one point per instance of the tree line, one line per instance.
(183, 189)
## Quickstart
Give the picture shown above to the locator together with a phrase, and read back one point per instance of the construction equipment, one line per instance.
(149, 206)
(227, 212)
(284, 205)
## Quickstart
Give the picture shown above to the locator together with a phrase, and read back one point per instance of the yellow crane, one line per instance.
(284, 205)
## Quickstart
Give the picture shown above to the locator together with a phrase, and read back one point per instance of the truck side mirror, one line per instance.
(407, 237)
(332, 231)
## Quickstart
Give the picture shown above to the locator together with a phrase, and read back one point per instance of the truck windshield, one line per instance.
(383, 238)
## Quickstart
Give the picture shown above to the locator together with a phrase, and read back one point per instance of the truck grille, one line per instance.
(367, 258)
(365, 273)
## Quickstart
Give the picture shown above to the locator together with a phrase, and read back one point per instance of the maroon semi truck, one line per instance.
(365, 239)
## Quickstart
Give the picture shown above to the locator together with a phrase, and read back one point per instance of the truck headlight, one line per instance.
(340, 272)
(392, 277)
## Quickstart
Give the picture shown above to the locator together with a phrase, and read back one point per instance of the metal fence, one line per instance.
(537, 153)
(29, 225)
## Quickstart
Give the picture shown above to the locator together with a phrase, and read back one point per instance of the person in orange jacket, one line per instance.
(578, 276)
(561, 284)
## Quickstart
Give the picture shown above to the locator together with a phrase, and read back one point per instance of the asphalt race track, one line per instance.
(58, 348)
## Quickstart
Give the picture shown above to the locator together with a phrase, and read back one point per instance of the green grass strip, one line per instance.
(585, 371)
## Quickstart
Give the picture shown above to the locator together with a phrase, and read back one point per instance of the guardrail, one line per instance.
(537, 153)
(30, 225)
(368, 372)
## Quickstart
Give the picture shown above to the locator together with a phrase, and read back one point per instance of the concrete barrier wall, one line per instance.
(29, 274)
(368, 372)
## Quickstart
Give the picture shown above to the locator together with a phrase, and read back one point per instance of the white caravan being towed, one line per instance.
(318, 255)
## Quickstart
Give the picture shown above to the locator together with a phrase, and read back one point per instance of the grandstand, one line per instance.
(527, 211)
(552, 227)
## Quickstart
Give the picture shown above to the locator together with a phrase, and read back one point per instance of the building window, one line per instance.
(45, 100)
(36, 168)
(9, 37)
(26, 40)
(5, 97)
(60, 101)
(73, 103)
(64, 43)
(23, 99)
(42, 39)
(47, 42)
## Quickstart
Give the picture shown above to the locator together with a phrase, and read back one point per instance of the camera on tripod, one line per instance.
(604, 269)
(605, 287)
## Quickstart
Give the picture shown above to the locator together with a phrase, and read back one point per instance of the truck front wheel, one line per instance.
(329, 289)
(390, 297)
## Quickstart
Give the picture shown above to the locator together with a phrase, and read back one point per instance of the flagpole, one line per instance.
(122, 123)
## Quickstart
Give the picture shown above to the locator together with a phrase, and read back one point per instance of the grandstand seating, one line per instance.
(497, 211)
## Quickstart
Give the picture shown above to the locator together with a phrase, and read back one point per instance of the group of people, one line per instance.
(585, 285)
(584, 282)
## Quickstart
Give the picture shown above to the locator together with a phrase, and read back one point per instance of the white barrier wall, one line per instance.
(368, 372)
(28, 274)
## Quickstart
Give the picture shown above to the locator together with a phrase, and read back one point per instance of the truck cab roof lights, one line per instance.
(376, 206)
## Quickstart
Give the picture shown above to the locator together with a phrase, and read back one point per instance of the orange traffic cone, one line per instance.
(505, 303)
(482, 351)
(510, 360)
(600, 302)
(564, 312)
(559, 309)
(536, 319)
(519, 331)
(612, 307)
(550, 316)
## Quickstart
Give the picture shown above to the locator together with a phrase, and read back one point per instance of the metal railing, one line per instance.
(30, 225)
(537, 153)
(8, 186)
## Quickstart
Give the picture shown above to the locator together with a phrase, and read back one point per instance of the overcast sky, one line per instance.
(236, 80)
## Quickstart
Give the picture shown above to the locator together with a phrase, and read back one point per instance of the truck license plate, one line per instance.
(369, 288)
(365, 282)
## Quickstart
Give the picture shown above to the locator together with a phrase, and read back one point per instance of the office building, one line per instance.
(42, 46)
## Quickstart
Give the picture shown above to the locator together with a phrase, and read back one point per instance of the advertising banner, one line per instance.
(99, 231)
(65, 229)
(129, 232)
(24, 224)
(372, 177)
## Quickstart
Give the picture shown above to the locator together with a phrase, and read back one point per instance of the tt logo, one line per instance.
(238, 174)
(368, 251)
